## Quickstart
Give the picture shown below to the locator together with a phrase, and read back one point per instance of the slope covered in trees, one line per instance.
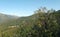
(43, 23)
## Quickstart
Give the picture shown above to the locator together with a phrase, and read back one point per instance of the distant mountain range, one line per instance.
(4, 17)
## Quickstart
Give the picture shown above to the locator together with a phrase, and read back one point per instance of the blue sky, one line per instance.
(26, 7)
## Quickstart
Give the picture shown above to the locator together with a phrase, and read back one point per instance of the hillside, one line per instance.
(4, 18)
(40, 24)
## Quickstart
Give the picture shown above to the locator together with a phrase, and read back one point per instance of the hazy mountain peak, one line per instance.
(4, 17)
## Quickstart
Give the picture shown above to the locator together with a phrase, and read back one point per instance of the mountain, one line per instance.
(39, 24)
(4, 17)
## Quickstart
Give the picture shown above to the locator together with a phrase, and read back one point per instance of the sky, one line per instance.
(26, 7)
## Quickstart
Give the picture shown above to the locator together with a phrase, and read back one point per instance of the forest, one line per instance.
(43, 23)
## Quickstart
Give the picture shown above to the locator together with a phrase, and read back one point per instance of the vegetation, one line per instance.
(43, 23)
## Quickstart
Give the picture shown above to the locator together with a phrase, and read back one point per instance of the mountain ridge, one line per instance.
(4, 17)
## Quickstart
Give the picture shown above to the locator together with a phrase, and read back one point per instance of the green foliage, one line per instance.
(40, 24)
